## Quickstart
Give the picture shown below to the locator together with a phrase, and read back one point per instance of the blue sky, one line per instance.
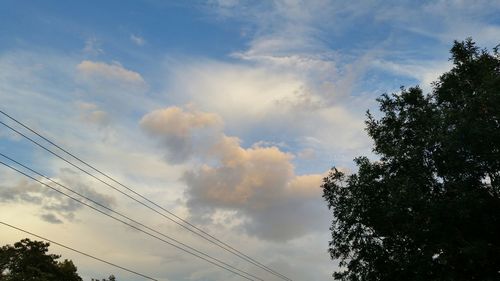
(227, 112)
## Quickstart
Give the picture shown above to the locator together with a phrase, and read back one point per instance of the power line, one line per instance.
(191, 250)
(199, 232)
(79, 252)
(120, 214)
(215, 240)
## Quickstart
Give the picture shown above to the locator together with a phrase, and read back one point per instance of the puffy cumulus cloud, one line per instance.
(54, 207)
(90, 70)
(256, 185)
(261, 186)
(258, 100)
(284, 79)
(176, 127)
(242, 176)
(274, 102)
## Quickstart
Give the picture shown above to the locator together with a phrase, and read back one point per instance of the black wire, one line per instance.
(229, 248)
(135, 227)
(222, 244)
(80, 252)
(126, 217)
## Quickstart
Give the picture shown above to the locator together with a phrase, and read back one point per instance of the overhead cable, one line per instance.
(184, 223)
(192, 251)
(79, 252)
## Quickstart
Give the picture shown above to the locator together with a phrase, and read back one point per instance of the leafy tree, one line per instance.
(429, 208)
(28, 260)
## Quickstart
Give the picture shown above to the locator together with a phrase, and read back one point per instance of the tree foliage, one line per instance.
(110, 278)
(29, 260)
(429, 208)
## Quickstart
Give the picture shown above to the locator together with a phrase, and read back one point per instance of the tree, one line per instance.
(429, 207)
(28, 260)
(110, 278)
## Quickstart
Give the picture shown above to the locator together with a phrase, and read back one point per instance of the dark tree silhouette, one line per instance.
(28, 260)
(429, 208)
(110, 278)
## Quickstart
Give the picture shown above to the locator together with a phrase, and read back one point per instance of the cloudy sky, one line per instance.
(227, 113)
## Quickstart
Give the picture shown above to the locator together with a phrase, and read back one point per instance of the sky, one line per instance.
(228, 113)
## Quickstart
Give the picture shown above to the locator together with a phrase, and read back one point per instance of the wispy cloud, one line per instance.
(138, 40)
(238, 139)
(91, 113)
(93, 47)
(114, 71)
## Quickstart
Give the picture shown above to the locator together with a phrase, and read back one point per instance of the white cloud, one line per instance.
(128, 158)
(236, 92)
(443, 20)
(307, 153)
(174, 121)
(276, 101)
(259, 183)
(175, 128)
(93, 47)
(115, 71)
(40, 90)
(138, 40)
(301, 36)
(116, 90)
(424, 71)
(291, 96)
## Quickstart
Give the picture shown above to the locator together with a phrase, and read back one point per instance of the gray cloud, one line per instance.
(258, 183)
(51, 218)
(75, 181)
(24, 191)
(52, 204)
(275, 203)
